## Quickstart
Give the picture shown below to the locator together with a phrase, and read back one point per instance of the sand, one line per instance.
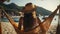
(7, 28)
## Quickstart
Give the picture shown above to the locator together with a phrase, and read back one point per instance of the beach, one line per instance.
(7, 28)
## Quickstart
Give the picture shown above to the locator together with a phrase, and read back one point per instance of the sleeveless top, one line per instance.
(28, 22)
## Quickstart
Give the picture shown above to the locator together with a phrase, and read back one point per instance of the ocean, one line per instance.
(16, 19)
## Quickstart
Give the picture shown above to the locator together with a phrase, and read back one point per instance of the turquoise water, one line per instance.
(55, 19)
(6, 20)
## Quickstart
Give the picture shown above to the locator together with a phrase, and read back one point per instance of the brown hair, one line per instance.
(28, 4)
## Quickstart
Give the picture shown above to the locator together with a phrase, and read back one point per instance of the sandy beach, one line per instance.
(7, 28)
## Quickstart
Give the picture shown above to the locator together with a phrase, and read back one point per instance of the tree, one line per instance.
(4, 1)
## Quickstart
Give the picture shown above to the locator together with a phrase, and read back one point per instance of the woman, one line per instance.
(29, 18)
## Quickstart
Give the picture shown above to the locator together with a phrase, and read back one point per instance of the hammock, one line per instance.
(43, 25)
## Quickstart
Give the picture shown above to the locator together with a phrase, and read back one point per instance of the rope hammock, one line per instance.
(43, 25)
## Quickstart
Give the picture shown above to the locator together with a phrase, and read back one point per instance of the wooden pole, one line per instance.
(58, 28)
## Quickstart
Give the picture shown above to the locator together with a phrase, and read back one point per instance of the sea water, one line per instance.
(16, 19)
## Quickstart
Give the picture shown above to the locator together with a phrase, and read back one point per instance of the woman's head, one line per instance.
(29, 6)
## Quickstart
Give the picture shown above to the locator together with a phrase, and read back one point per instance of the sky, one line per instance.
(50, 5)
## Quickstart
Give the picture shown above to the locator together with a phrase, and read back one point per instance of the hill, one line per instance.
(14, 7)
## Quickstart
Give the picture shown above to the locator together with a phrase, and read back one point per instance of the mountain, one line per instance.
(43, 11)
(14, 7)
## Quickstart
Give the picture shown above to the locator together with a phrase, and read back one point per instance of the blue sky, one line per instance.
(47, 4)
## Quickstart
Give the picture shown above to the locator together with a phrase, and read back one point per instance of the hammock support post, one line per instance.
(58, 28)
